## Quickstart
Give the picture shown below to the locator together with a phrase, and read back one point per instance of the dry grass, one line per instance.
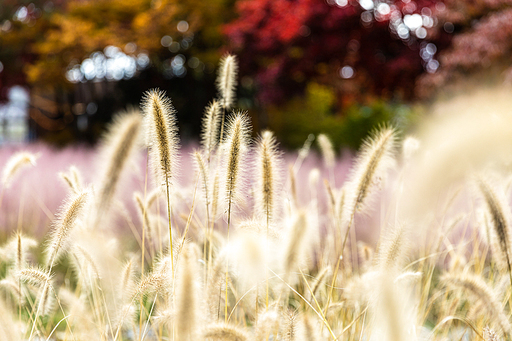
(439, 271)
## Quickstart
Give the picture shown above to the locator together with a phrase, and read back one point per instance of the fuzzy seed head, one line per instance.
(235, 148)
(478, 289)
(327, 150)
(117, 151)
(65, 221)
(268, 181)
(162, 135)
(226, 81)
(375, 158)
(499, 214)
(210, 128)
(15, 164)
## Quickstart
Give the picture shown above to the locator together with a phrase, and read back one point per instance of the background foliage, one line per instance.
(334, 66)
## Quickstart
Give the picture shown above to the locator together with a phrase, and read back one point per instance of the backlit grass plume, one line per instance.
(267, 177)
(65, 221)
(479, 290)
(15, 164)
(328, 154)
(162, 135)
(235, 149)
(224, 332)
(72, 179)
(118, 149)
(210, 128)
(374, 159)
(499, 213)
(226, 80)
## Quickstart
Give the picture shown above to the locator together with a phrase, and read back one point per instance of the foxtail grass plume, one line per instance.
(65, 221)
(15, 164)
(327, 150)
(290, 327)
(203, 174)
(162, 134)
(118, 149)
(235, 149)
(72, 179)
(392, 248)
(499, 214)
(226, 80)
(210, 128)
(16, 249)
(479, 290)
(40, 278)
(224, 332)
(303, 152)
(268, 181)
(374, 159)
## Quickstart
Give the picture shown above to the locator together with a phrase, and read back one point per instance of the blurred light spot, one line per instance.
(21, 14)
(1, 67)
(183, 26)
(179, 60)
(74, 75)
(448, 27)
(174, 47)
(431, 48)
(6, 26)
(180, 71)
(402, 31)
(88, 69)
(184, 44)
(166, 41)
(304, 31)
(421, 33)
(428, 21)
(383, 8)
(130, 48)
(341, 3)
(366, 4)
(366, 17)
(426, 12)
(432, 66)
(110, 51)
(413, 21)
(440, 6)
(347, 72)
(193, 62)
(142, 60)
(91, 108)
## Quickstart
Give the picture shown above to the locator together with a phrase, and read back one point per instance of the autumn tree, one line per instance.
(481, 46)
(360, 48)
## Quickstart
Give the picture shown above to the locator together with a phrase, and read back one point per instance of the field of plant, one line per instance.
(410, 240)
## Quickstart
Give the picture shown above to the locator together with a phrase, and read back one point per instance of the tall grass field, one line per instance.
(235, 240)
